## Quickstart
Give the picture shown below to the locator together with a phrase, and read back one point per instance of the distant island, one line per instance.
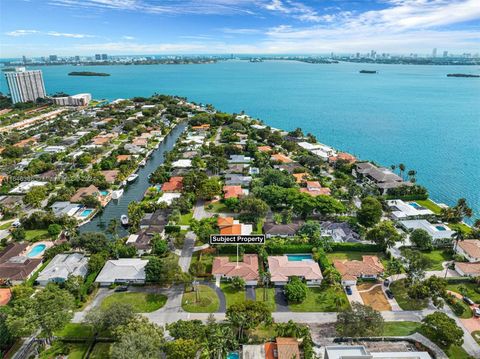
(462, 75)
(87, 73)
(368, 71)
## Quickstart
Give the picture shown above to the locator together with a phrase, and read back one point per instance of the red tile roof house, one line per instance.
(232, 191)
(110, 175)
(230, 226)
(470, 249)
(83, 192)
(369, 267)
(314, 188)
(281, 270)
(278, 157)
(467, 269)
(140, 141)
(284, 348)
(264, 148)
(246, 269)
(174, 184)
(347, 157)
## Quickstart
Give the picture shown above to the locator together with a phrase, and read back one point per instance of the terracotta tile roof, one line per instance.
(264, 148)
(287, 348)
(225, 221)
(233, 229)
(232, 191)
(343, 156)
(247, 269)
(470, 269)
(204, 126)
(281, 269)
(139, 141)
(121, 158)
(471, 247)
(100, 140)
(317, 192)
(300, 177)
(175, 184)
(281, 158)
(83, 192)
(351, 270)
(270, 350)
(110, 175)
(26, 142)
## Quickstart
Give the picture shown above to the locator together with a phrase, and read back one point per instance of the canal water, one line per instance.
(133, 191)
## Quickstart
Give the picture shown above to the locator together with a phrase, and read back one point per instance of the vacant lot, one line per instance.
(205, 302)
(375, 298)
(141, 302)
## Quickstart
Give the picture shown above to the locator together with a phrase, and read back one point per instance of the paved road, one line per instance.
(199, 211)
(101, 294)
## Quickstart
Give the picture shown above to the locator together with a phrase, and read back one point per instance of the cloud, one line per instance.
(128, 37)
(294, 9)
(16, 33)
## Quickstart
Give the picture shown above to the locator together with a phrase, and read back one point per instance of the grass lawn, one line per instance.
(404, 301)
(263, 333)
(476, 336)
(75, 330)
(456, 352)
(100, 351)
(258, 229)
(232, 295)
(208, 301)
(141, 302)
(460, 227)
(58, 348)
(78, 351)
(217, 207)
(36, 234)
(206, 259)
(436, 258)
(270, 302)
(355, 256)
(321, 299)
(469, 290)
(393, 329)
(6, 225)
(430, 205)
(185, 219)
(467, 311)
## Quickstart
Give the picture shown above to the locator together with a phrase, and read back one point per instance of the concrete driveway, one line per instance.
(355, 296)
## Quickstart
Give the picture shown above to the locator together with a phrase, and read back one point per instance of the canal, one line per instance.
(133, 191)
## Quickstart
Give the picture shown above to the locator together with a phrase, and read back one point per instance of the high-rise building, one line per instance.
(98, 57)
(445, 54)
(104, 57)
(53, 58)
(25, 85)
(77, 58)
(434, 52)
(373, 54)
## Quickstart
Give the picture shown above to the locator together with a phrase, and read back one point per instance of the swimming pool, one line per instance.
(86, 212)
(299, 257)
(415, 205)
(36, 250)
(440, 228)
(233, 355)
(104, 193)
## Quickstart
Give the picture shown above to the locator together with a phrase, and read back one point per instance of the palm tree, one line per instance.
(457, 236)
(393, 167)
(401, 167)
(412, 174)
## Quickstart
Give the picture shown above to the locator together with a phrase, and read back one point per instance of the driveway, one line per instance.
(280, 300)
(187, 250)
(199, 211)
(355, 296)
(250, 292)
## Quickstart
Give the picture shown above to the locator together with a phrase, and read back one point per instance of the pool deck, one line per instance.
(47, 244)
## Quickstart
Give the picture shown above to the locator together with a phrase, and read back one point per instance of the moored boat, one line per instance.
(124, 220)
(132, 177)
(117, 194)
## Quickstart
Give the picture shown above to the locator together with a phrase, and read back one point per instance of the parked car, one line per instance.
(348, 290)
(389, 294)
(386, 282)
(122, 288)
(468, 301)
(476, 312)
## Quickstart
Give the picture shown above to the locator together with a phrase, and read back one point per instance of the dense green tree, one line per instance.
(187, 329)
(162, 270)
(384, 234)
(159, 245)
(359, 321)
(252, 209)
(247, 315)
(310, 229)
(442, 329)
(209, 188)
(370, 212)
(415, 265)
(421, 239)
(96, 262)
(108, 319)
(54, 229)
(35, 196)
(238, 283)
(94, 242)
(182, 348)
(135, 214)
(296, 290)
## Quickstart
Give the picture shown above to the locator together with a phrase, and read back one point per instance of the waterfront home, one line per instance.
(134, 149)
(282, 269)
(62, 266)
(360, 352)
(25, 187)
(201, 128)
(110, 175)
(65, 208)
(140, 142)
(182, 163)
(314, 188)
(123, 158)
(468, 269)
(342, 156)
(124, 270)
(141, 242)
(264, 148)
(168, 197)
(237, 180)
(339, 232)
(233, 192)
(174, 184)
(231, 226)
(380, 177)
(15, 266)
(239, 159)
(407, 210)
(272, 229)
(318, 149)
(258, 127)
(83, 192)
(438, 231)
(369, 267)
(279, 157)
(247, 269)
(470, 249)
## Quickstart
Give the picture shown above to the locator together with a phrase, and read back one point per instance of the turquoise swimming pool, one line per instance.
(36, 250)
(86, 212)
(104, 193)
(441, 228)
(233, 355)
(299, 257)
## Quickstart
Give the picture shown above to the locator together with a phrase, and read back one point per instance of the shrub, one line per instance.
(296, 290)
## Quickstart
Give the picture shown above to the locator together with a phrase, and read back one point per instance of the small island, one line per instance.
(462, 75)
(87, 73)
(368, 71)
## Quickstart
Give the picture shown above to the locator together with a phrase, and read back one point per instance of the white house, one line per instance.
(407, 210)
(438, 231)
(24, 187)
(360, 352)
(62, 266)
(124, 270)
(182, 163)
(168, 197)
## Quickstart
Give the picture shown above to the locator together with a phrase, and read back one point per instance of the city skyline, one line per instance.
(145, 27)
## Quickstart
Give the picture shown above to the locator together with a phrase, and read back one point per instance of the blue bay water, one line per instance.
(404, 114)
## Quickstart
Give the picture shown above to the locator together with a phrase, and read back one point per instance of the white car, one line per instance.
(476, 312)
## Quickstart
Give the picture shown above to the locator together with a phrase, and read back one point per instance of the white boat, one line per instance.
(124, 220)
(117, 194)
(143, 162)
(132, 177)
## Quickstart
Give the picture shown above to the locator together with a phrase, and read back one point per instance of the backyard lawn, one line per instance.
(185, 219)
(436, 258)
(36, 234)
(270, 300)
(208, 301)
(100, 351)
(217, 207)
(393, 329)
(430, 205)
(6, 225)
(141, 302)
(232, 295)
(321, 299)
(353, 255)
(75, 330)
(469, 290)
(404, 301)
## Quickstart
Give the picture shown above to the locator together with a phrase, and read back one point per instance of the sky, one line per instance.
(123, 27)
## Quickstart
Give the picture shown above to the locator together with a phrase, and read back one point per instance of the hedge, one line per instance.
(172, 229)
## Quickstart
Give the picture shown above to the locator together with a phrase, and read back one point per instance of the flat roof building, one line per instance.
(25, 85)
